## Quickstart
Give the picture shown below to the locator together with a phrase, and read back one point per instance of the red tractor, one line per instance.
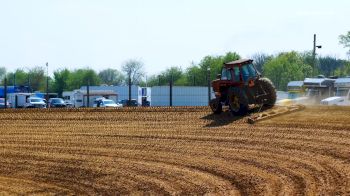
(240, 85)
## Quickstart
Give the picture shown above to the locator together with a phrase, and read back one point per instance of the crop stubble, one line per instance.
(174, 151)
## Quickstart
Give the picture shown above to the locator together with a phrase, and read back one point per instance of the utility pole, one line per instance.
(146, 80)
(209, 93)
(14, 79)
(88, 93)
(129, 102)
(171, 90)
(5, 91)
(47, 82)
(28, 81)
(314, 56)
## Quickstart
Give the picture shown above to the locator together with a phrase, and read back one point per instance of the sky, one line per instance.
(102, 34)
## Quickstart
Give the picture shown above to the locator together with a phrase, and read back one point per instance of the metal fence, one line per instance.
(180, 96)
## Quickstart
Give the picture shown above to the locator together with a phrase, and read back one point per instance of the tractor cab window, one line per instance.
(226, 74)
(248, 72)
(236, 73)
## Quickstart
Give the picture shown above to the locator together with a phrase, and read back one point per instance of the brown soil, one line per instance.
(184, 150)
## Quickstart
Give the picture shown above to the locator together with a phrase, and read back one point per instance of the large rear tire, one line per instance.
(215, 106)
(238, 106)
(270, 91)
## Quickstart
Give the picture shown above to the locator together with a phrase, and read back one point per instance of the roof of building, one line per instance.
(314, 80)
(342, 80)
(296, 83)
(321, 82)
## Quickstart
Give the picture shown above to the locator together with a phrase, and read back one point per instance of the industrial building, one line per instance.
(342, 86)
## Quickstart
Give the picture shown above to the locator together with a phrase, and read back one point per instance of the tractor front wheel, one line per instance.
(215, 106)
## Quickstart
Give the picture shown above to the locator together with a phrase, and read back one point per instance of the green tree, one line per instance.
(60, 81)
(286, 67)
(215, 63)
(164, 77)
(196, 74)
(150, 81)
(81, 77)
(37, 78)
(199, 73)
(2, 73)
(325, 65)
(328, 64)
(344, 70)
(307, 57)
(18, 77)
(345, 41)
(111, 77)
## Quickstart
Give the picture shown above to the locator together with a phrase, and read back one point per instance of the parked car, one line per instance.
(2, 103)
(35, 102)
(106, 103)
(125, 102)
(56, 103)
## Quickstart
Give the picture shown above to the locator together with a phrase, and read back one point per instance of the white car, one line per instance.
(35, 102)
(337, 100)
(106, 103)
(333, 101)
(2, 103)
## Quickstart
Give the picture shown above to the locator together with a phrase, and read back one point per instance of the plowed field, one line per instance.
(174, 151)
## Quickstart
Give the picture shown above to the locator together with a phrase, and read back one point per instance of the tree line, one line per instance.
(280, 68)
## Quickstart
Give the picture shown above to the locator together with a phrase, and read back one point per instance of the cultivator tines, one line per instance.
(274, 112)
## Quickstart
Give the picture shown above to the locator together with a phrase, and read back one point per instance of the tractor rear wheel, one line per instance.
(236, 104)
(215, 106)
(270, 91)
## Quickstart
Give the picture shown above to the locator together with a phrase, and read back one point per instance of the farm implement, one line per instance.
(273, 112)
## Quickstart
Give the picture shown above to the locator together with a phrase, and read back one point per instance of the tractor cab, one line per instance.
(239, 85)
(236, 73)
(243, 70)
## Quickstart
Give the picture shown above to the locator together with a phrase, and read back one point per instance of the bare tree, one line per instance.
(134, 69)
(345, 41)
(259, 60)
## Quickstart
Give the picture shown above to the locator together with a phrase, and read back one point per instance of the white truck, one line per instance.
(73, 97)
(26, 100)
